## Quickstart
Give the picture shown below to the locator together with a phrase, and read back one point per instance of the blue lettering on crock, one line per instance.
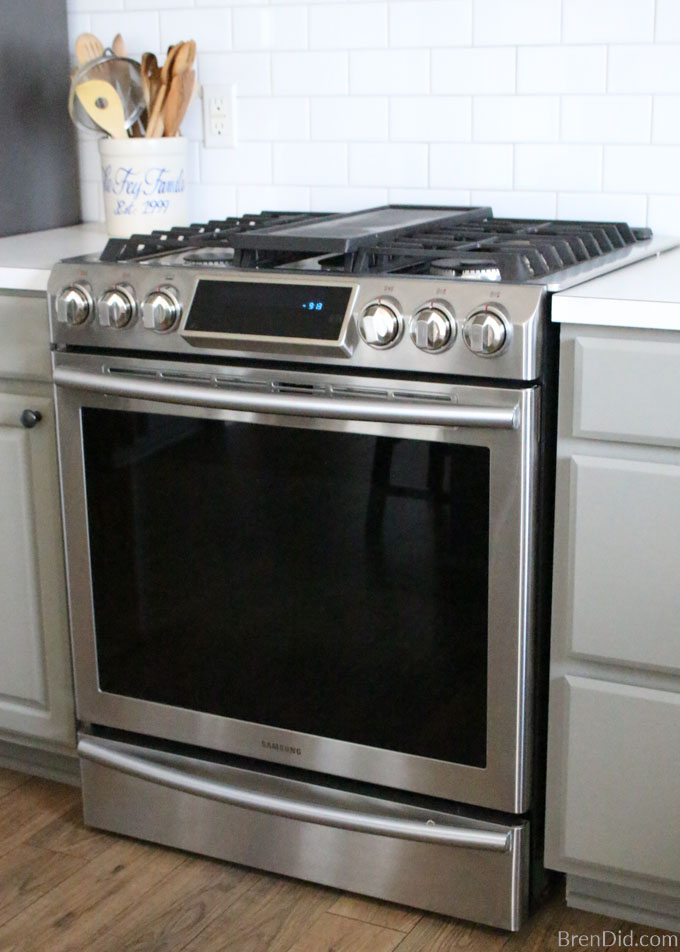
(131, 186)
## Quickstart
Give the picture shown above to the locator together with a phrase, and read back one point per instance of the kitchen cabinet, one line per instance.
(36, 691)
(613, 797)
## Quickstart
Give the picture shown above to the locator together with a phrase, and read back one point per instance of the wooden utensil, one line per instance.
(118, 45)
(184, 57)
(88, 47)
(155, 125)
(103, 104)
(151, 77)
(179, 97)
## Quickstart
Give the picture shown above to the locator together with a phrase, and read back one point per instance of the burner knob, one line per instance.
(116, 307)
(74, 305)
(379, 324)
(433, 328)
(486, 332)
(161, 309)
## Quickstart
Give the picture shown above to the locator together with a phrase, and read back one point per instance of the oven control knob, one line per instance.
(379, 324)
(161, 309)
(486, 332)
(116, 307)
(74, 305)
(433, 328)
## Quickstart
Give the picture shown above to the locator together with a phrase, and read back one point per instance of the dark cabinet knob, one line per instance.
(29, 418)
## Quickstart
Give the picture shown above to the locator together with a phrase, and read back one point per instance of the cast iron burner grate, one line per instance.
(467, 243)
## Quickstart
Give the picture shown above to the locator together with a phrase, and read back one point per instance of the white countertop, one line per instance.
(26, 260)
(645, 295)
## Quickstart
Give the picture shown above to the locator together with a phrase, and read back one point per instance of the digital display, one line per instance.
(298, 311)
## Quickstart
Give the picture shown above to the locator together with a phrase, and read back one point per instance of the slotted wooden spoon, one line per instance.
(88, 47)
(102, 103)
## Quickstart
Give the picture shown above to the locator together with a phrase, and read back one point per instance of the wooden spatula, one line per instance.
(88, 47)
(179, 97)
(103, 104)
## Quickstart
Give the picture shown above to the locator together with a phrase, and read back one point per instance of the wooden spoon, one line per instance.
(88, 47)
(151, 77)
(155, 125)
(184, 57)
(118, 45)
(179, 97)
(103, 104)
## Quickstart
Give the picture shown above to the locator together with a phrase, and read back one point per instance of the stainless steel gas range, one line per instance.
(306, 472)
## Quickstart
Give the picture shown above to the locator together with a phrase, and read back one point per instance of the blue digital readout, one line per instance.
(314, 305)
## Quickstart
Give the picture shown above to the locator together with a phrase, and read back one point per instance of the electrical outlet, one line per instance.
(219, 116)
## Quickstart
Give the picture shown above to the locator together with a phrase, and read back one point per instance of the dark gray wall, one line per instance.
(38, 158)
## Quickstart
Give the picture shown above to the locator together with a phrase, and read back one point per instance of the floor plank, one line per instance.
(27, 874)
(9, 779)
(330, 933)
(30, 807)
(68, 918)
(67, 834)
(270, 917)
(167, 919)
(440, 934)
(377, 913)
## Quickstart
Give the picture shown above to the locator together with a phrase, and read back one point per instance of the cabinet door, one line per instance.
(35, 674)
(614, 779)
(624, 557)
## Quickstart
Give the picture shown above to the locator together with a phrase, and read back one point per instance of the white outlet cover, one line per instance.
(219, 116)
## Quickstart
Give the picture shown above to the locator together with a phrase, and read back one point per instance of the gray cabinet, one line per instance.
(613, 799)
(36, 693)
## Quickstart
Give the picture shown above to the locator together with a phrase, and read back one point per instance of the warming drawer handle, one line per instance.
(292, 809)
(335, 408)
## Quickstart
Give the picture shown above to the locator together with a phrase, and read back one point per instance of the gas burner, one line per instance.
(211, 256)
(480, 270)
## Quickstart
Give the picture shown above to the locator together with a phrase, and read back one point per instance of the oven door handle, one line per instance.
(144, 769)
(333, 407)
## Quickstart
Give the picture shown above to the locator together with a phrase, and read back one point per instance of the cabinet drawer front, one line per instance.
(627, 390)
(625, 552)
(24, 337)
(621, 778)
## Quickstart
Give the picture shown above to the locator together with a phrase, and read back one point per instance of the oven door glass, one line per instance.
(324, 582)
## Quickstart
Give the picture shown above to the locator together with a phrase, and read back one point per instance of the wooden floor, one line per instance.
(65, 888)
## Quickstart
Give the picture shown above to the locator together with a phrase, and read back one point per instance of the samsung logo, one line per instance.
(282, 748)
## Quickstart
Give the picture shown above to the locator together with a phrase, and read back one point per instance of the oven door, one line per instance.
(318, 570)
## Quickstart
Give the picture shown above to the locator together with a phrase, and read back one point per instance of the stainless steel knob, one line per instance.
(433, 328)
(161, 309)
(116, 307)
(486, 332)
(379, 324)
(74, 305)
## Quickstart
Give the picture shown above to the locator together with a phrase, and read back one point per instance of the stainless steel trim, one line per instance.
(336, 408)
(295, 810)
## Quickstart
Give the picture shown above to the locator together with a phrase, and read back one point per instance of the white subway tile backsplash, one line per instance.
(429, 196)
(479, 71)
(88, 158)
(91, 201)
(604, 206)
(271, 120)
(666, 121)
(608, 21)
(347, 199)
(667, 21)
(510, 22)
(641, 168)
(517, 204)
(653, 68)
(78, 6)
(389, 72)
(250, 71)
(255, 198)
(516, 118)
(471, 166)
(622, 119)
(270, 28)
(211, 201)
(77, 23)
(140, 30)
(387, 164)
(431, 119)
(211, 29)
(310, 163)
(309, 74)
(558, 167)
(663, 214)
(562, 69)
(334, 27)
(430, 23)
(156, 4)
(349, 118)
(249, 164)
